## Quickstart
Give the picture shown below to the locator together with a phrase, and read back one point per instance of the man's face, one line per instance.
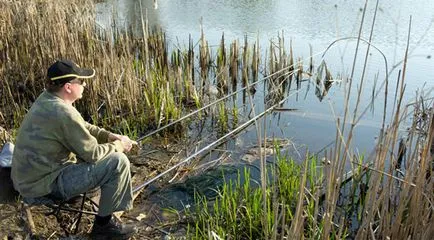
(76, 88)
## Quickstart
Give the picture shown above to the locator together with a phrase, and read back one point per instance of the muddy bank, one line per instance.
(156, 207)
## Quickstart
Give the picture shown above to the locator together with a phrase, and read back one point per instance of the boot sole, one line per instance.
(104, 237)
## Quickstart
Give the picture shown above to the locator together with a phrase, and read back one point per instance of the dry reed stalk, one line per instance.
(255, 60)
(271, 59)
(291, 62)
(297, 224)
(233, 65)
(222, 68)
(399, 210)
(360, 88)
(283, 64)
(338, 160)
(245, 70)
(145, 31)
(263, 169)
(310, 60)
(340, 141)
(299, 75)
(204, 59)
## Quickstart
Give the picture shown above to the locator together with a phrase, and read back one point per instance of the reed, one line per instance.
(204, 59)
(291, 63)
(222, 68)
(223, 118)
(245, 59)
(238, 212)
(380, 199)
(255, 60)
(137, 82)
(234, 64)
(124, 78)
(315, 201)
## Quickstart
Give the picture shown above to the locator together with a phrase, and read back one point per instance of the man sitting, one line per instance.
(59, 155)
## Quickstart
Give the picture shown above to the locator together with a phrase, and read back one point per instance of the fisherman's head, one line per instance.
(67, 78)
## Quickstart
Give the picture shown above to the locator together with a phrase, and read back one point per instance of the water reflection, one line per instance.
(122, 15)
(323, 81)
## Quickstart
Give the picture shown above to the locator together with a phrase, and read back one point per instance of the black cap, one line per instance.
(64, 71)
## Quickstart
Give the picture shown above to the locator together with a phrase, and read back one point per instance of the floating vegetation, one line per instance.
(323, 81)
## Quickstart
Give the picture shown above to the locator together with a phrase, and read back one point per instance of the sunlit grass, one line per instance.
(237, 212)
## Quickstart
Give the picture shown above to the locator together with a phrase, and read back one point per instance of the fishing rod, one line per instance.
(209, 105)
(222, 138)
(215, 143)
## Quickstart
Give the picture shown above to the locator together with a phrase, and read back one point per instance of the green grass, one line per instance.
(237, 212)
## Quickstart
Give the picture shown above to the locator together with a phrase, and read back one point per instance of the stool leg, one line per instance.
(80, 214)
(29, 217)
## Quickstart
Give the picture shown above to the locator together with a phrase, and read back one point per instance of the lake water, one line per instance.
(306, 22)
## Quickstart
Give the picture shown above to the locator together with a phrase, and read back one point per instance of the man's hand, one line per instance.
(125, 140)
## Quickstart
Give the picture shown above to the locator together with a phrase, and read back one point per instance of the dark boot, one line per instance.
(113, 230)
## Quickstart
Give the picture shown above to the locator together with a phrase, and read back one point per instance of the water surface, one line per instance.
(305, 22)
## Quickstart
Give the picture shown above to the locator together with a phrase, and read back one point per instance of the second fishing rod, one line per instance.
(211, 104)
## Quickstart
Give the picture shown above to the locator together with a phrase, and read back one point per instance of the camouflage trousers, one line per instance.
(112, 174)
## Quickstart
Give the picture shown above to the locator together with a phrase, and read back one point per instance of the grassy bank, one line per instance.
(383, 197)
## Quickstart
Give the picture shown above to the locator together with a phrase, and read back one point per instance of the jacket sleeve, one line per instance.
(80, 140)
(99, 133)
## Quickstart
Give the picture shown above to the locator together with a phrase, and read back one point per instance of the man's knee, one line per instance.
(123, 162)
(119, 161)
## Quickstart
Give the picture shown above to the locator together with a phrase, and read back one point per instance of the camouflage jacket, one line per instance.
(52, 136)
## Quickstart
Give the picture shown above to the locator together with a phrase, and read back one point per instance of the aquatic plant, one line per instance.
(237, 212)
(380, 198)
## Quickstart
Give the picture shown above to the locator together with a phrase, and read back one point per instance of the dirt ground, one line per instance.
(147, 162)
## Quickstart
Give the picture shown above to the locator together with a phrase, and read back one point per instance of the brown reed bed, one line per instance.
(138, 85)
